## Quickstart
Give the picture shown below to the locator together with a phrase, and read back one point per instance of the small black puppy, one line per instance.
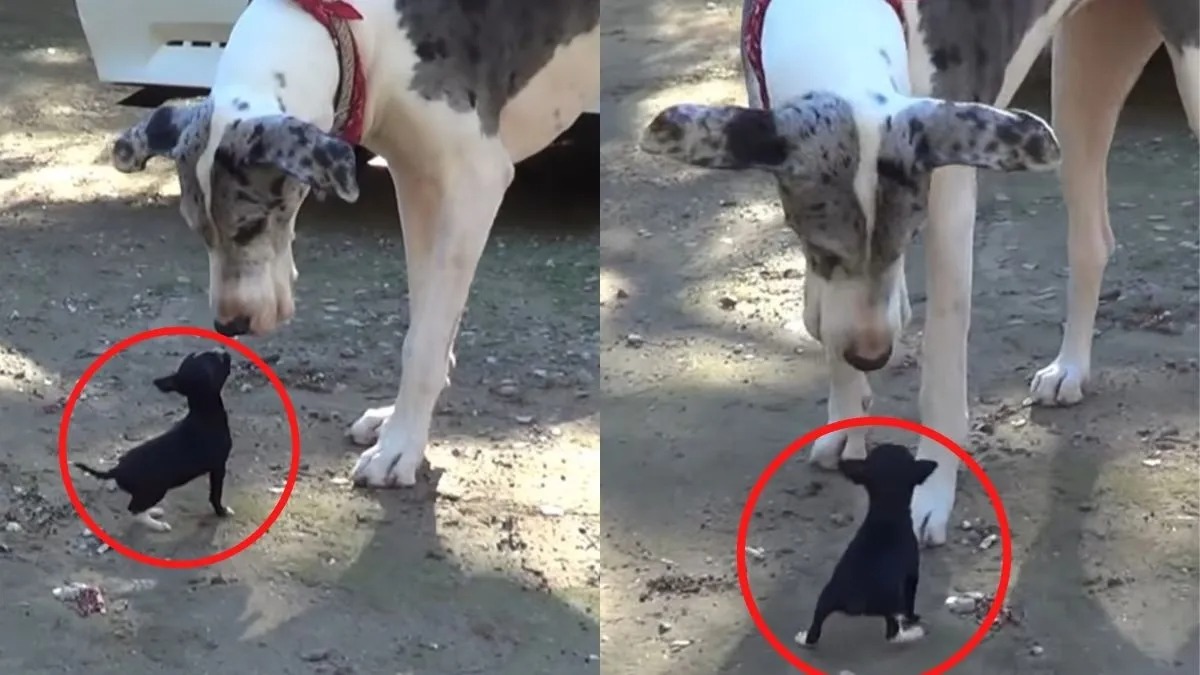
(198, 444)
(877, 575)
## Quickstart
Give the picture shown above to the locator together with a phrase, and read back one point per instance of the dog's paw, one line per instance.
(379, 467)
(802, 640)
(224, 512)
(365, 430)
(932, 502)
(151, 523)
(155, 512)
(908, 634)
(1059, 384)
(829, 449)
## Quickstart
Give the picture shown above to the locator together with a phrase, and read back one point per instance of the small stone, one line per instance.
(967, 525)
(727, 302)
(988, 542)
(551, 511)
(756, 553)
(13, 526)
(622, 294)
(315, 655)
(680, 645)
(634, 340)
(507, 390)
(1152, 462)
(961, 604)
(1037, 650)
(523, 419)
(839, 519)
(664, 627)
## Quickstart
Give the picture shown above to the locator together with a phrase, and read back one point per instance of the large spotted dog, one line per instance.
(851, 113)
(450, 94)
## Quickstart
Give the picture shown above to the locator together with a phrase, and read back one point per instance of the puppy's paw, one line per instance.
(802, 640)
(224, 512)
(150, 523)
(155, 512)
(908, 634)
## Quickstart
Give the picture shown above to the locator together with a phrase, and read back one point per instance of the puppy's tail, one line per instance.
(103, 475)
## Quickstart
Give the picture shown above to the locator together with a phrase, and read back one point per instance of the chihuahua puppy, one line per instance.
(877, 575)
(198, 444)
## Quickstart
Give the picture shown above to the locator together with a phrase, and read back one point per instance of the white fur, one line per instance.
(1187, 78)
(908, 634)
(149, 519)
(450, 179)
(800, 639)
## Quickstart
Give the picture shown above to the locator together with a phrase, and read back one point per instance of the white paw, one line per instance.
(365, 430)
(1059, 384)
(828, 449)
(228, 512)
(801, 639)
(388, 465)
(155, 511)
(910, 634)
(148, 520)
(931, 505)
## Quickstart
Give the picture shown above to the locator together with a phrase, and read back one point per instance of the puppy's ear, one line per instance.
(854, 469)
(167, 384)
(922, 469)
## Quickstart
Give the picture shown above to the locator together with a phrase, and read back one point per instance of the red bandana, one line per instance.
(752, 41)
(327, 12)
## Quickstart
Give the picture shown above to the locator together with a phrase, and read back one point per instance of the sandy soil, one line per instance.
(490, 568)
(719, 376)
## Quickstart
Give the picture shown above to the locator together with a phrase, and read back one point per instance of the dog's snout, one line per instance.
(867, 361)
(234, 328)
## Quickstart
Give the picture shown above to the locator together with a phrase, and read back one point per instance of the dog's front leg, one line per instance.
(216, 489)
(467, 197)
(849, 396)
(948, 266)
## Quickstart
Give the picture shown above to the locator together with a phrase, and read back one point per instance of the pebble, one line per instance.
(1037, 650)
(756, 553)
(839, 519)
(13, 526)
(551, 511)
(1152, 462)
(963, 604)
(727, 302)
(664, 627)
(315, 655)
(988, 542)
(680, 645)
(635, 340)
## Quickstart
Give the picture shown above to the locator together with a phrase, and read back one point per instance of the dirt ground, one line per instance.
(700, 392)
(492, 567)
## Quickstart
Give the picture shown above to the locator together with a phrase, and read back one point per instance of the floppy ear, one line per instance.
(942, 133)
(167, 384)
(716, 137)
(299, 149)
(923, 469)
(163, 133)
(854, 469)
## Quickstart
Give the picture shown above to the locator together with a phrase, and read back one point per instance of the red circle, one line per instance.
(875, 420)
(166, 331)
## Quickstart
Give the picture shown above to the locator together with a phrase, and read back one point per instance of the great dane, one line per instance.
(450, 94)
(873, 116)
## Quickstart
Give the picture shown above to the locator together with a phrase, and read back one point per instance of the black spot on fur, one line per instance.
(280, 80)
(161, 132)
(752, 139)
(321, 157)
(277, 185)
(890, 169)
(241, 105)
(1035, 147)
(664, 128)
(428, 50)
(991, 147)
(879, 98)
(282, 107)
(249, 233)
(886, 59)
(946, 57)
(1007, 134)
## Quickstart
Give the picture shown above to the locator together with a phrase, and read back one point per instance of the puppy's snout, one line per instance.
(233, 328)
(869, 353)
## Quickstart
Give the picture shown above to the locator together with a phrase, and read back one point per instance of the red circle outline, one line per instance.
(167, 331)
(874, 420)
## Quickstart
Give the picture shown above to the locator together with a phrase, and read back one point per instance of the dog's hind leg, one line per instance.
(216, 486)
(143, 508)
(808, 638)
(943, 398)
(1099, 53)
(898, 632)
(467, 191)
(910, 599)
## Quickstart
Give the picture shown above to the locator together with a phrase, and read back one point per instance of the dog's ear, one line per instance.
(923, 469)
(937, 133)
(854, 469)
(717, 137)
(163, 133)
(167, 384)
(299, 149)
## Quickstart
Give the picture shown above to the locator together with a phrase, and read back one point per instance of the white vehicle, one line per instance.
(170, 48)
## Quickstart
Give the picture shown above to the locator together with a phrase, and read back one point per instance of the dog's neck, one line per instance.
(279, 60)
(205, 405)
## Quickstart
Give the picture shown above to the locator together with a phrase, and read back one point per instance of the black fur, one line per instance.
(877, 575)
(198, 444)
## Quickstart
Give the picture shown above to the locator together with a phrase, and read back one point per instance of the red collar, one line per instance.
(752, 40)
(349, 102)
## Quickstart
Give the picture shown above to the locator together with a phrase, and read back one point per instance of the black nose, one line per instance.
(239, 326)
(867, 365)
